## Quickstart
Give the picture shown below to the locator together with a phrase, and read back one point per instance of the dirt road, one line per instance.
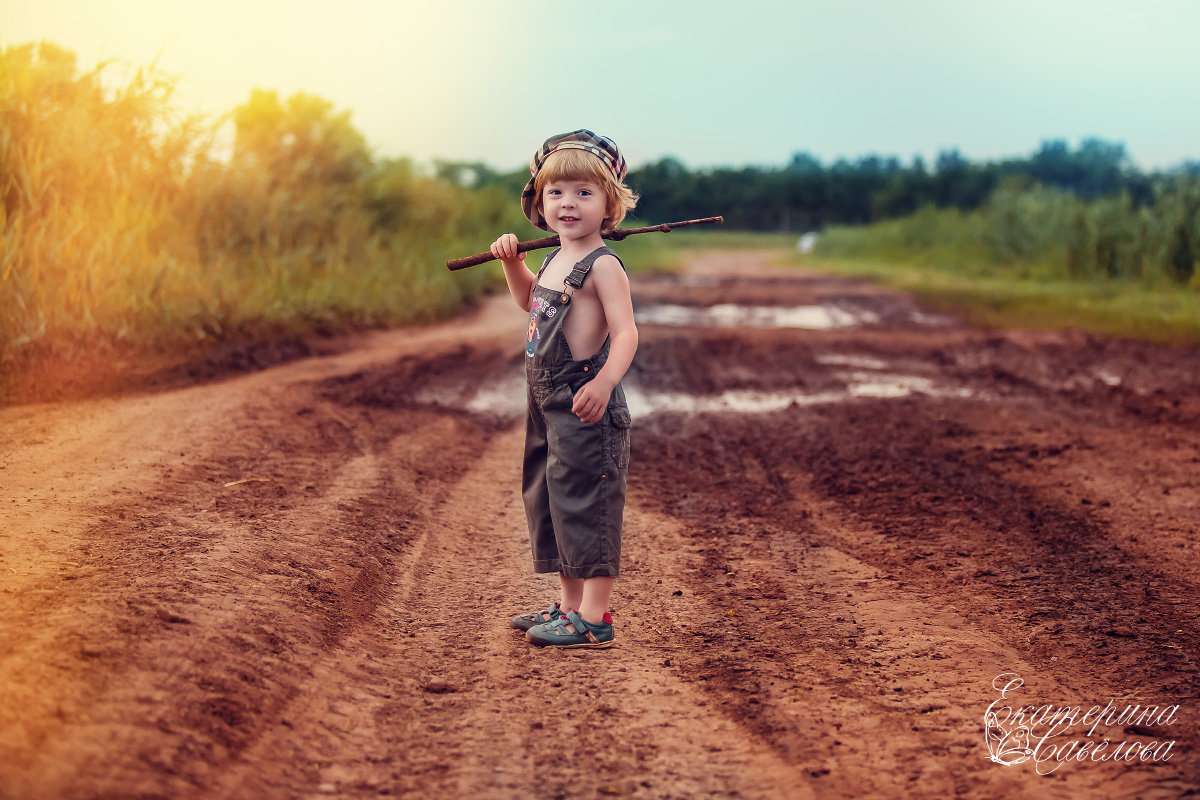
(847, 518)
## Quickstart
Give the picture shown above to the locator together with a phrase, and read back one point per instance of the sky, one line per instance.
(709, 83)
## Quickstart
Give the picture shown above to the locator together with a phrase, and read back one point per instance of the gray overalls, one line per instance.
(573, 481)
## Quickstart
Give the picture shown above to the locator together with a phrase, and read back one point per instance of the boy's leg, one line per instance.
(596, 595)
(589, 596)
(586, 488)
(572, 593)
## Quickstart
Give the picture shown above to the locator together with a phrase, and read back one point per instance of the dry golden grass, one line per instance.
(120, 224)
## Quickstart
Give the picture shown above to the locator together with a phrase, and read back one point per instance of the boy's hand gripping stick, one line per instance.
(552, 241)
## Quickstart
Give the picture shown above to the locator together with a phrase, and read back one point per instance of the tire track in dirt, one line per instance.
(164, 614)
(873, 482)
(440, 667)
(206, 640)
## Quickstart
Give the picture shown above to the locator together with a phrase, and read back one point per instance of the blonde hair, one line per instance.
(573, 164)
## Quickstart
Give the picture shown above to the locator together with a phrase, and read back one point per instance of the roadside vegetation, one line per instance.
(1037, 256)
(127, 227)
(1107, 308)
(122, 223)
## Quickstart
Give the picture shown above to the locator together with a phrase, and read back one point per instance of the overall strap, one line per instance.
(546, 262)
(580, 271)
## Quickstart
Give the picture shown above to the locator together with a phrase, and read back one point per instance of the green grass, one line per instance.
(1019, 296)
(1108, 308)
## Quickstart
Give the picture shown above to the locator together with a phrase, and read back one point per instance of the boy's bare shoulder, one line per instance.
(608, 264)
(609, 279)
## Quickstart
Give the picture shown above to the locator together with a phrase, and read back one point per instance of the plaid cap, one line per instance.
(602, 147)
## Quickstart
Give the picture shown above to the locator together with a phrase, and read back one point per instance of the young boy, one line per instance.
(580, 341)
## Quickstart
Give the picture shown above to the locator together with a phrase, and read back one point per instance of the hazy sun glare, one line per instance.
(398, 67)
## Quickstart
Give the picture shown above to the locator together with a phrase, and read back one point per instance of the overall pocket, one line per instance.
(620, 423)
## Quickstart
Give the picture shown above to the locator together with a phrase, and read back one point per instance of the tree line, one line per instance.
(806, 194)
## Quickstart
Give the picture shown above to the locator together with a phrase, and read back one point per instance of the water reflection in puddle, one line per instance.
(933, 320)
(506, 399)
(643, 403)
(730, 315)
(862, 362)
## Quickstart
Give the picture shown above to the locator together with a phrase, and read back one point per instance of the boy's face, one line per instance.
(574, 209)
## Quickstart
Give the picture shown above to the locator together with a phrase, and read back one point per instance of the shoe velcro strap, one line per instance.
(550, 611)
(581, 627)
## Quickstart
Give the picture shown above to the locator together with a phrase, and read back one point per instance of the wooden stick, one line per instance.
(552, 241)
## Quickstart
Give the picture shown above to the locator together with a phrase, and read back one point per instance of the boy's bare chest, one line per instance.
(583, 302)
(585, 326)
(554, 277)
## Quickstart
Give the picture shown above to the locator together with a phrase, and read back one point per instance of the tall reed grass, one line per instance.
(1029, 231)
(1038, 257)
(123, 221)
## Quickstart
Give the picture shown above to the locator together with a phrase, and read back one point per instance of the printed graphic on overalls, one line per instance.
(540, 306)
(531, 337)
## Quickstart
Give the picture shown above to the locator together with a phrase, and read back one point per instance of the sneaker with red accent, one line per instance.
(558, 633)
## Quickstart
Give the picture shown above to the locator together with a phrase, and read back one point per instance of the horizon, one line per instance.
(930, 165)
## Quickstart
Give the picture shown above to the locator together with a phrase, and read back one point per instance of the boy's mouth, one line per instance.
(568, 219)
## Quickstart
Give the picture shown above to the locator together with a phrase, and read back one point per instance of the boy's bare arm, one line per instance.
(612, 288)
(520, 280)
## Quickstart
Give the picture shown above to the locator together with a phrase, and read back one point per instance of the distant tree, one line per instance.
(804, 164)
(300, 140)
(300, 162)
(1051, 164)
(464, 173)
(1096, 168)
(806, 192)
(666, 189)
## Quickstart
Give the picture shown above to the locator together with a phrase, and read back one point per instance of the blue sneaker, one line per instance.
(527, 621)
(587, 634)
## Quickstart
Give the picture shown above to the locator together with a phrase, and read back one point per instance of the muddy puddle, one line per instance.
(643, 404)
(732, 315)
(856, 385)
(506, 398)
(815, 317)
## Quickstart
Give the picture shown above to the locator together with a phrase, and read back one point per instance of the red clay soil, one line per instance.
(297, 582)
